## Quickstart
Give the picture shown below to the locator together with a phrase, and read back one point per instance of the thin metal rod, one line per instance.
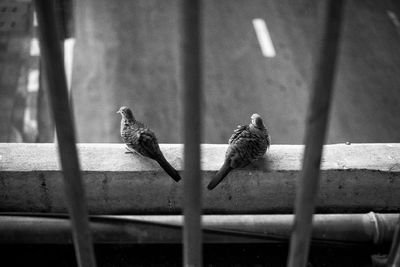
(317, 121)
(393, 259)
(191, 74)
(75, 195)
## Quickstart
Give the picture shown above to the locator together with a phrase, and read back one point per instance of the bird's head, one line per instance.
(257, 121)
(125, 113)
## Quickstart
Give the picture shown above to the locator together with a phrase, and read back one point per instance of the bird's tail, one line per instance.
(225, 169)
(169, 169)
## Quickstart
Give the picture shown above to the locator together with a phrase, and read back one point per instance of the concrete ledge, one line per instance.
(355, 178)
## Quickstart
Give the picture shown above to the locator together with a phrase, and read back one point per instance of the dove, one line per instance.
(139, 138)
(247, 144)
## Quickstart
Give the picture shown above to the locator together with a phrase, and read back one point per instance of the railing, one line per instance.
(59, 99)
(237, 188)
(316, 125)
(192, 84)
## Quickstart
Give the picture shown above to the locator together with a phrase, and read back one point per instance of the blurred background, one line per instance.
(257, 58)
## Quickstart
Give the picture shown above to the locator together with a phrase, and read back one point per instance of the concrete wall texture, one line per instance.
(127, 53)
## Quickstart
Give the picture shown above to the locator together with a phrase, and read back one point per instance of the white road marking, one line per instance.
(69, 45)
(33, 81)
(34, 49)
(393, 18)
(264, 37)
(35, 22)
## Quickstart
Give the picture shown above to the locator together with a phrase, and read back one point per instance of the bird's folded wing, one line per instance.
(238, 132)
(149, 145)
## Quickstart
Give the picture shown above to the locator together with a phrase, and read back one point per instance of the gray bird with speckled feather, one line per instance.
(138, 138)
(247, 144)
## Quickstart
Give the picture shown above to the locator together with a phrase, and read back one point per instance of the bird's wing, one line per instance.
(148, 144)
(236, 133)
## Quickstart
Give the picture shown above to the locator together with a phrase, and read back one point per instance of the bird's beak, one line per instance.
(118, 111)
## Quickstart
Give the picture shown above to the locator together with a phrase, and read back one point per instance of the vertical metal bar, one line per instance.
(191, 71)
(394, 255)
(58, 92)
(315, 134)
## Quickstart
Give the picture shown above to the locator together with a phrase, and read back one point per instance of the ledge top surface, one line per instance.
(112, 157)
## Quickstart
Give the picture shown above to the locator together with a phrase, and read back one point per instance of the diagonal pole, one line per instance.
(54, 67)
(317, 121)
(191, 66)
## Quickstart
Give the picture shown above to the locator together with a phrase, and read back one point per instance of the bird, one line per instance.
(247, 144)
(140, 139)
